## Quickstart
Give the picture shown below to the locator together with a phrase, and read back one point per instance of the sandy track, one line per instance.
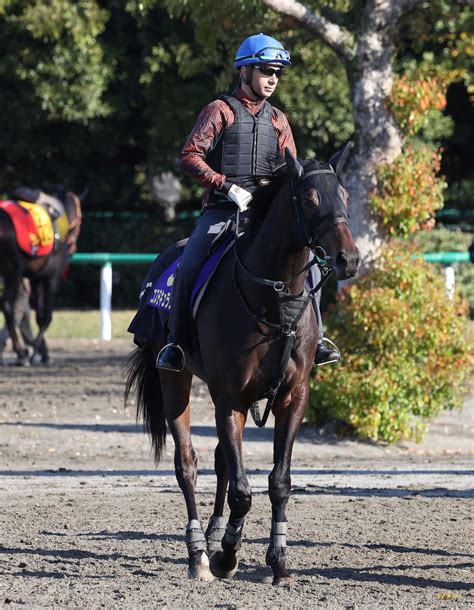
(87, 521)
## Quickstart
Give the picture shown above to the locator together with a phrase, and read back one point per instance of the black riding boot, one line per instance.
(171, 358)
(326, 355)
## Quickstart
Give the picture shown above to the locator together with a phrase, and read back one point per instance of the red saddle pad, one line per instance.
(25, 229)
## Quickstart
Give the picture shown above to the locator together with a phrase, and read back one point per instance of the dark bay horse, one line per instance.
(43, 272)
(253, 327)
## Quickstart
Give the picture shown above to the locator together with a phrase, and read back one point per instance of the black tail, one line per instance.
(143, 377)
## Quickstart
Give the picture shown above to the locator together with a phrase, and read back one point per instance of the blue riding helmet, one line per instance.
(261, 49)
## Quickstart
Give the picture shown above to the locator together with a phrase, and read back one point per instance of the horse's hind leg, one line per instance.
(176, 389)
(288, 418)
(45, 294)
(10, 309)
(216, 527)
(230, 425)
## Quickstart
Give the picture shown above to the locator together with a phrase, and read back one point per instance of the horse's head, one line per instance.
(72, 204)
(320, 212)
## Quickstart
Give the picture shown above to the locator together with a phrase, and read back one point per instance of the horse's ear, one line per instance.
(338, 160)
(295, 168)
(83, 194)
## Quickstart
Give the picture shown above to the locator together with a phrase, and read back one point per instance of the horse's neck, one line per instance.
(273, 253)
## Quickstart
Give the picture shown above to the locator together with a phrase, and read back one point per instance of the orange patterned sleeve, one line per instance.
(214, 117)
(285, 135)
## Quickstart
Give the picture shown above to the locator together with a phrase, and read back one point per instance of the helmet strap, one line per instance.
(248, 82)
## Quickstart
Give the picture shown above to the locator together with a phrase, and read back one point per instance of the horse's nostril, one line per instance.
(341, 260)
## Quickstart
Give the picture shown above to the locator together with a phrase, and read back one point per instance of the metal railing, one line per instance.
(107, 259)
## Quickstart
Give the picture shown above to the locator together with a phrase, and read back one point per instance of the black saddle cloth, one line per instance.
(149, 323)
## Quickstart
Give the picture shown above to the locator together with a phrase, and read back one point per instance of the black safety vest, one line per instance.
(246, 150)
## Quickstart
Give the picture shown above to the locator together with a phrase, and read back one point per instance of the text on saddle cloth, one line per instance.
(159, 292)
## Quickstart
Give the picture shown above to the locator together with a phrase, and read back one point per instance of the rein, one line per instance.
(291, 307)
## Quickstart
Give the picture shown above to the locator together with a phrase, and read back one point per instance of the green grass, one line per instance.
(86, 324)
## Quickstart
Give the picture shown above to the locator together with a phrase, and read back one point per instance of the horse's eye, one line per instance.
(311, 197)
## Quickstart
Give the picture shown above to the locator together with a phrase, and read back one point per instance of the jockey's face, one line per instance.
(263, 79)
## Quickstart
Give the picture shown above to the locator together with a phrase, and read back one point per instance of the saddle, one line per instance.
(39, 220)
(33, 227)
(155, 294)
(160, 291)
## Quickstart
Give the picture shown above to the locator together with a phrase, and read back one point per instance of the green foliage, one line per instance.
(409, 190)
(405, 354)
(446, 240)
(103, 94)
(419, 96)
(314, 92)
(447, 39)
(58, 56)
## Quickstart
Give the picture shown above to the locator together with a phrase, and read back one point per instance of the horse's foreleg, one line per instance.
(46, 292)
(176, 390)
(288, 418)
(216, 527)
(230, 425)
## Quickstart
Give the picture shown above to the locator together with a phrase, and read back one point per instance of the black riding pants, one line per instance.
(208, 225)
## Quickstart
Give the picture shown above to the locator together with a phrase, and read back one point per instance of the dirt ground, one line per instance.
(87, 521)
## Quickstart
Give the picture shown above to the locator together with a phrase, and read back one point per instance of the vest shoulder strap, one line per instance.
(234, 103)
(238, 107)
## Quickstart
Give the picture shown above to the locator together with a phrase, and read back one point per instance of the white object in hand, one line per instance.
(240, 196)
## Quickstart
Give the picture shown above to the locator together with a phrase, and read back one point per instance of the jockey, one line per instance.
(223, 155)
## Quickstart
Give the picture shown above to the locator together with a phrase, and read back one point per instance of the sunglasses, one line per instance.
(265, 71)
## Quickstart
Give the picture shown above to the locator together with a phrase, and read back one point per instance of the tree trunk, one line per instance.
(377, 138)
(363, 39)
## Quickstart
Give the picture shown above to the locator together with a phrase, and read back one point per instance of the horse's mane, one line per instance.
(261, 203)
(264, 196)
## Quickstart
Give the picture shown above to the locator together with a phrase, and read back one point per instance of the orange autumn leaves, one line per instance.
(410, 190)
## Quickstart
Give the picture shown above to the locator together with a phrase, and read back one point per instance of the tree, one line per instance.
(364, 39)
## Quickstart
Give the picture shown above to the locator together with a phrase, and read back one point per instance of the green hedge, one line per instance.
(405, 354)
(448, 240)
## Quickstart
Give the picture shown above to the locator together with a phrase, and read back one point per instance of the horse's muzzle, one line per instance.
(347, 263)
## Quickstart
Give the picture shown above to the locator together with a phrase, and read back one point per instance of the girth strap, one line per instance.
(291, 311)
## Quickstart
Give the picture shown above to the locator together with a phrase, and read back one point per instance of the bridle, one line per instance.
(305, 227)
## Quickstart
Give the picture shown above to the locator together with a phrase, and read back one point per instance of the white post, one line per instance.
(449, 281)
(106, 301)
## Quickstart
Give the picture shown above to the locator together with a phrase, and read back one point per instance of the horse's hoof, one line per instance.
(199, 568)
(282, 581)
(22, 362)
(35, 359)
(220, 569)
